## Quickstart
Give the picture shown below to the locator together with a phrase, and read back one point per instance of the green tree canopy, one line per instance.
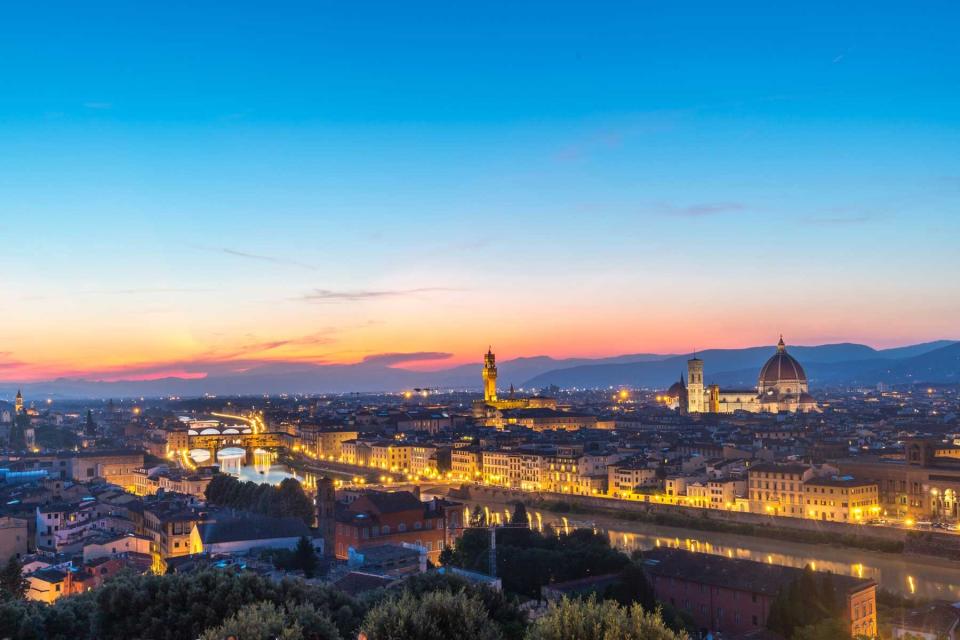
(433, 615)
(600, 620)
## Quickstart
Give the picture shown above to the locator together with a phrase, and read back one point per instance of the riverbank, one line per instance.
(885, 539)
(906, 575)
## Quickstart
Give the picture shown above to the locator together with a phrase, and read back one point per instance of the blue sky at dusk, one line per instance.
(191, 184)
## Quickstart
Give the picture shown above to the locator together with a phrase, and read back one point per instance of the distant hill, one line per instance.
(832, 364)
(825, 364)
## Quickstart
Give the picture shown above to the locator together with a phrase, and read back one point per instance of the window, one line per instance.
(385, 529)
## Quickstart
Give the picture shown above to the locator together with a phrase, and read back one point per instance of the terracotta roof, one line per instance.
(781, 367)
(732, 573)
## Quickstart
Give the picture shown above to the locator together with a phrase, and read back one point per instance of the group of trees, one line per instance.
(213, 604)
(13, 584)
(176, 606)
(288, 499)
(527, 559)
(808, 608)
(301, 558)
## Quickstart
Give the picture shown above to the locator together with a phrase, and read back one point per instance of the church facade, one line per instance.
(781, 388)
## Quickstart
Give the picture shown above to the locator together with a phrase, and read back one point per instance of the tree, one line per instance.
(288, 499)
(503, 610)
(806, 605)
(305, 557)
(13, 584)
(603, 620)
(519, 516)
(150, 607)
(18, 432)
(829, 629)
(437, 614)
(90, 428)
(258, 621)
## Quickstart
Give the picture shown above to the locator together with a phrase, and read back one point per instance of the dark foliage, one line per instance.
(169, 607)
(288, 499)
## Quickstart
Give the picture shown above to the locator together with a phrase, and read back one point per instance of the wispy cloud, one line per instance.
(389, 359)
(259, 257)
(144, 290)
(701, 209)
(329, 295)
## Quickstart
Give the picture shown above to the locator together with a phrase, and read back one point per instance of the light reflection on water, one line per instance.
(893, 572)
(908, 575)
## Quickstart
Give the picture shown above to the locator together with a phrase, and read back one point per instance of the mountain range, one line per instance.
(825, 365)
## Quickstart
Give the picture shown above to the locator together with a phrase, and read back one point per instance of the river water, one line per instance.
(905, 574)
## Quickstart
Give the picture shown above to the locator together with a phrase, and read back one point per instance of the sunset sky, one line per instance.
(193, 187)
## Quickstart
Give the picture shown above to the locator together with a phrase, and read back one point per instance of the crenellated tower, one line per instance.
(489, 376)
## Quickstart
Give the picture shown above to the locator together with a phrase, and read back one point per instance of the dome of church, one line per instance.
(676, 390)
(780, 371)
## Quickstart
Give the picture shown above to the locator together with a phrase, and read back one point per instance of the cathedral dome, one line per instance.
(676, 390)
(782, 373)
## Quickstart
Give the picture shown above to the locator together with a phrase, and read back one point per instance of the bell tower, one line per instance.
(489, 376)
(18, 403)
(695, 400)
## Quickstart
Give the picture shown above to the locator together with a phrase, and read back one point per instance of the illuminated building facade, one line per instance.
(781, 388)
(492, 402)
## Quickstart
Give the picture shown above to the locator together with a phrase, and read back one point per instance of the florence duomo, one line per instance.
(781, 388)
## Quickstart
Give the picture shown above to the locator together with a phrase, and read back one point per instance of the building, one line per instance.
(541, 419)
(624, 477)
(841, 499)
(14, 538)
(777, 489)
(935, 621)
(328, 442)
(326, 500)
(781, 388)
(47, 585)
(241, 535)
(734, 596)
(923, 483)
(378, 518)
(492, 401)
(465, 463)
(113, 545)
(432, 422)
(169, 526)
(388, 560)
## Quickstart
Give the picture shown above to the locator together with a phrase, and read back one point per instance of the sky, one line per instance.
(189, 187)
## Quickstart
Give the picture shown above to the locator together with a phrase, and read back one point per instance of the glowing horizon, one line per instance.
(551, 180)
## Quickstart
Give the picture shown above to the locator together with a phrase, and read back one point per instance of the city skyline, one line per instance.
(298, 184)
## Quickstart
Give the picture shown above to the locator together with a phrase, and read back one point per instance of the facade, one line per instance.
(841, 500)
(923, 484)
(328, 443)
(14, 538)
(623, 478)
(465, 463)
(777, 489)
(378, 518)
(241, 535)
(781, 388)
(116, 545)
(734, 596)
(492, 401)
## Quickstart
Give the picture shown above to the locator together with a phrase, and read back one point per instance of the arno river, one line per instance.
(905, 574)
